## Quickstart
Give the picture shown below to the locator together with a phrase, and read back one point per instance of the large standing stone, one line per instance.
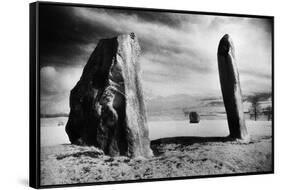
(107, 105)
(231, 91)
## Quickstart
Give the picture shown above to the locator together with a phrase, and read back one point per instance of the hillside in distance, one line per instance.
(174, 107)
(177, 107)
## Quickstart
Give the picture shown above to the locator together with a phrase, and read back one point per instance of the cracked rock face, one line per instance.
(106, 106)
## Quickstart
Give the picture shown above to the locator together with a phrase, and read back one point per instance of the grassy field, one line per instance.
(180, 149)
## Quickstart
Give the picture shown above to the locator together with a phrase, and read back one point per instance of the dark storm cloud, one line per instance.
(68, 38)
(178, 50)
(64, 38)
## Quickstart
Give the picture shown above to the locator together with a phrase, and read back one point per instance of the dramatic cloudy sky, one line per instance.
(178, 50)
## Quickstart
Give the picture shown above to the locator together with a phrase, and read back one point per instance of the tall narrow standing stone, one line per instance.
(107, 105)
(231, 91)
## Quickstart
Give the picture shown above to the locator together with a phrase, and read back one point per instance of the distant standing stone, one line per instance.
(231, 90)
(194, 117)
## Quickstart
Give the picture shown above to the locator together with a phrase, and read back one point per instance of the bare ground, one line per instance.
(174, 157)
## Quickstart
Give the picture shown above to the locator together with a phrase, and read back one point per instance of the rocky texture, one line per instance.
(174, 157)
(107, 105)
(231, 91)
(194, 117)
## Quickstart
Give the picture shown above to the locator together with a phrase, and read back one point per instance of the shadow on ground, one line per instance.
(189, 140)
(159, 146)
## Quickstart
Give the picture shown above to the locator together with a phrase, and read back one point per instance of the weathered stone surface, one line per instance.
(231, 91)
(194, 117)
(107, 105)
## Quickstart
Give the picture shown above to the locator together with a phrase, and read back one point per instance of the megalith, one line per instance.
(107, 107)
(194, 117)
(231, 90)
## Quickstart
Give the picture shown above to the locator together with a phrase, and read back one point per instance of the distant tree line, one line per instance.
(255, 110)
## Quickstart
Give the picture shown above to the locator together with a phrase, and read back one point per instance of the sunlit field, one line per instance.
(53, 129)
